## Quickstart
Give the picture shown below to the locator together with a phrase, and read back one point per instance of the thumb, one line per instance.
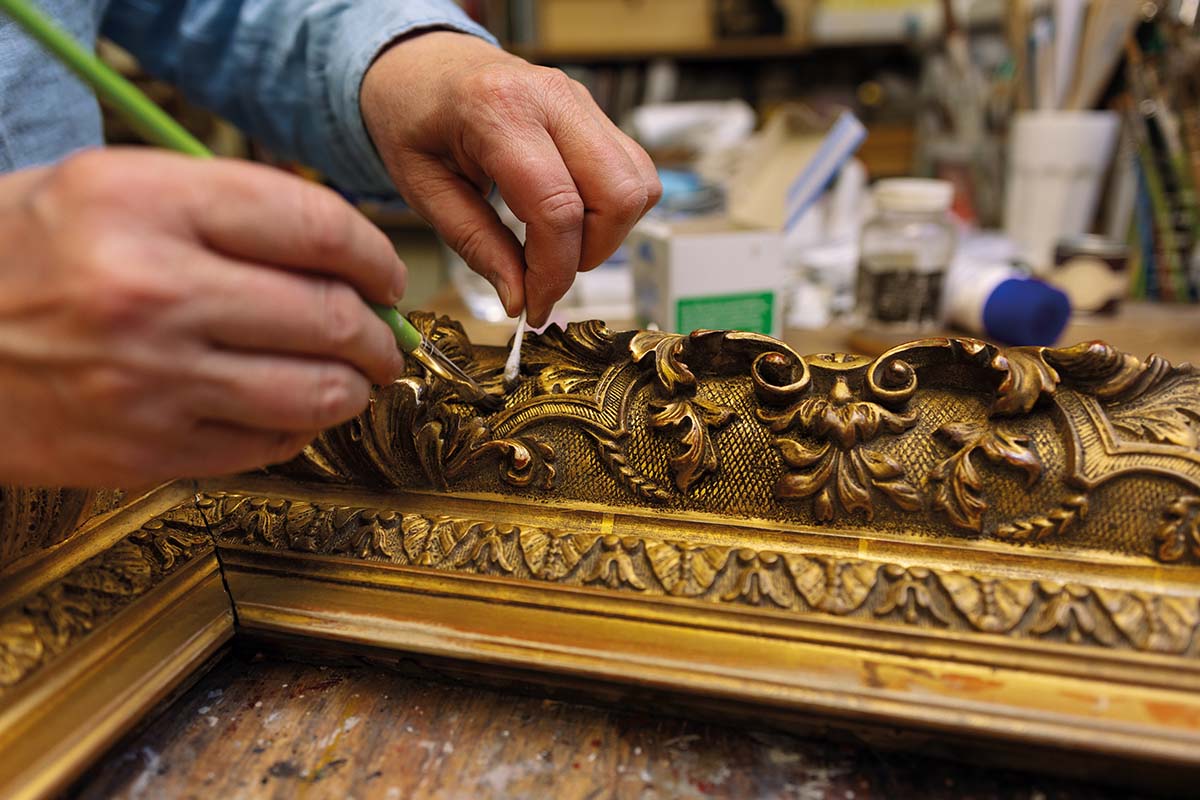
(469, 224)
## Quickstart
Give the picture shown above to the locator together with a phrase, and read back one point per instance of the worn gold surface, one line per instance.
(97, 631)
(961, 540)
(35, 519)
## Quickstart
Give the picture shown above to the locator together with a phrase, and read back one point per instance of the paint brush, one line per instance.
(157, 127)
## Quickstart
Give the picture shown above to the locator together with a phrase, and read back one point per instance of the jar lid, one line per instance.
(923, 195)
(1026, 311)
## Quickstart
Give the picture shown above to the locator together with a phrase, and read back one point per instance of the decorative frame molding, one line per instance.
(963, 542)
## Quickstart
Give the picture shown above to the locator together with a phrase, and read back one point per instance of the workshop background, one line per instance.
(846, 174)
(1064, 130)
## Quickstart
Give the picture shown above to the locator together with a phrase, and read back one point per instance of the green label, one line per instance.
(735, 312)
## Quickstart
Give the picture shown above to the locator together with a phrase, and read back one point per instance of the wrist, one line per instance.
(413, 79)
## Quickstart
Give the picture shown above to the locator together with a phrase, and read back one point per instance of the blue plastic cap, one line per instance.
(1026, 311)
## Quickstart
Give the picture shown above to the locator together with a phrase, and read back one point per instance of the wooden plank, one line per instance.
(258, 727)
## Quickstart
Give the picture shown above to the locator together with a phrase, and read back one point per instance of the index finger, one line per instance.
(261, 214)
(532, 178)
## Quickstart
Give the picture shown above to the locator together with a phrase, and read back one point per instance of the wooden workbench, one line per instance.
(258, 727)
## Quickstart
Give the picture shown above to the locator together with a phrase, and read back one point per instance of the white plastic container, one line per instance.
(1056, 165)
(1005, 305)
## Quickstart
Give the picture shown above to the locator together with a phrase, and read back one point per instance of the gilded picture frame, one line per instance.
(953, 544)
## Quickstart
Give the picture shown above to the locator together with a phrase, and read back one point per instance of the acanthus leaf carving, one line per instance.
(1164, 418)
(67, 614)
(888, 476)
(1069, 608)
(449, 445)
(979, 601)
(48, 621)
(1179, 534)
(377, 534)
(911, 590)
(568, 361)
(429, 540)
(957, 487)
(172, 542)
(1027, 379)
(495, 550)
(667, 348)
(846, 434)
(21, 649)
(1108, 372)
(694, 419)
(122, 570)
(840, 468)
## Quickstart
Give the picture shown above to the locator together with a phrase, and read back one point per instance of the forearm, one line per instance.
(288, 72)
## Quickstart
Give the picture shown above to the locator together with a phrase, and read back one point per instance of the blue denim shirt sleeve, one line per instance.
(288, 72)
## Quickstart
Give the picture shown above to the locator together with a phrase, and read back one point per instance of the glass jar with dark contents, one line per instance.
(905, 251)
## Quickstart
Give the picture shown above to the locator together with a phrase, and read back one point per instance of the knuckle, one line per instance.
(341, 321)
(108, 386)
(116, 291)
(88, 172)
(117, 302)
(340, 394)
(285, 446)
(562, 210)
(654, 191)
(629, 198)
(468, 240)
(557, 81)
(500, 87)
(326, 221)
(86, 179)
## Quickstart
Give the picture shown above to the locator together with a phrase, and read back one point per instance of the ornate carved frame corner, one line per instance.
(955, 540)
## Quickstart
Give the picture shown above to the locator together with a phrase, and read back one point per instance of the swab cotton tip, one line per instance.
(512, 367)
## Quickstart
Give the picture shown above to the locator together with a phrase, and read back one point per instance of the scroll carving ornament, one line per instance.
(1025, 439)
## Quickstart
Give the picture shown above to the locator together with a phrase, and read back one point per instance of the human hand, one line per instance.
(165, 317)
(450, 114)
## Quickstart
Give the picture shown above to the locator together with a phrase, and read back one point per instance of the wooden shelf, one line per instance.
(728, 49)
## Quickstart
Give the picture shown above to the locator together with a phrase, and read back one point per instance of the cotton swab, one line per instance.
(512, 367)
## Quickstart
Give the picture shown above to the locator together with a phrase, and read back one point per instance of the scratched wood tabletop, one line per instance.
(261, 727)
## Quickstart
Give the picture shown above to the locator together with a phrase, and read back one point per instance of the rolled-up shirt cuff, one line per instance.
(363, 34)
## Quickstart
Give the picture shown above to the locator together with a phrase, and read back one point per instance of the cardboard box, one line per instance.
(708, 273)
(624, 25)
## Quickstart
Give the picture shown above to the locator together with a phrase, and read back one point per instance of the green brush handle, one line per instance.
(151, 122)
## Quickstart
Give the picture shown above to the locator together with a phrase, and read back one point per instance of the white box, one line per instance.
(708, 273)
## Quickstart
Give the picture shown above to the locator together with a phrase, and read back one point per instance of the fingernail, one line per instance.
(505, 297)
(399, 283)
